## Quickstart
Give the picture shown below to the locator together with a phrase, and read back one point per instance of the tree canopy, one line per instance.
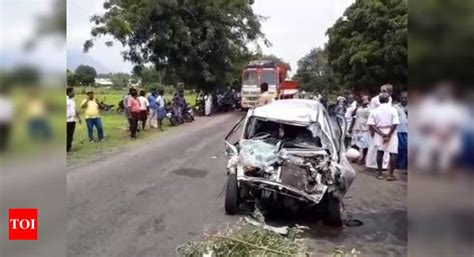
(275, 59)
(199, 42)
(441, 39)
(368, 45)
(85, 74)
(71, 78)
(23, 75)
(120, 80)
(314, 72)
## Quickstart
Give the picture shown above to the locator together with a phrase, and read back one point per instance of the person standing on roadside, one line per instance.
(265, 97)
(126, 110)
(144, 106)
(160, 108)
(179, 105)
(153, 109)
(72, 116)
(383, 122)
(134, 112)
(384, 89)
(371, 160)
(6, 117)
(360, 129)
(351, 107)
(92, 117)
(402, 131)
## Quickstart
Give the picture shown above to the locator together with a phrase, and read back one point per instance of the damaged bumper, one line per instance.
(283, 189)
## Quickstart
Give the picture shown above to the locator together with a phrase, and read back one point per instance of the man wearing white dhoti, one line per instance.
(208, 105)
(383, 122)
(371, 159)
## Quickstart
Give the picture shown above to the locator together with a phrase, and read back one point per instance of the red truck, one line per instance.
(258, 72)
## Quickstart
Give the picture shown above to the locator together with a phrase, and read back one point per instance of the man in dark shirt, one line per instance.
(179, 105)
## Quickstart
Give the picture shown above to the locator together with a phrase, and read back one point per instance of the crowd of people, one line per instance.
(223, 100)
(378, 128)
(142, 110)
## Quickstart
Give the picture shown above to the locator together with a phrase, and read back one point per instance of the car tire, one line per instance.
(332, 216)
(231, 203)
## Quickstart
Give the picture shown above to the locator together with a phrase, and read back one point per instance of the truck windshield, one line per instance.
(269, 77)
(250, 77)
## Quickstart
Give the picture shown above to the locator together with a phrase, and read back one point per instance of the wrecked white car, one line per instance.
(289, 154)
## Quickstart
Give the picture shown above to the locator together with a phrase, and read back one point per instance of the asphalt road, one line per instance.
(155, 195)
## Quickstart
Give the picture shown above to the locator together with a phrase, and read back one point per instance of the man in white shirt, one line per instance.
(72, 117)
(265, 97)
(385, 89)
(351, 106)
(383, 122)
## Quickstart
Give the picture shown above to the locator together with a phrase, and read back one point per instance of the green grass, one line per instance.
(115, 129)
(20, 144)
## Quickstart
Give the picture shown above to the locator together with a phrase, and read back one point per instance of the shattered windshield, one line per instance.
(291, 136)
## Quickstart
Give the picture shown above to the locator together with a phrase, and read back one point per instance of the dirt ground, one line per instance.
(381, 206)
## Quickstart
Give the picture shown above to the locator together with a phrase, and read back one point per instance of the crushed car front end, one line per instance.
(295, 161)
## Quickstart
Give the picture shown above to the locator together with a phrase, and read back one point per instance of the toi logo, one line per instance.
(22, 224)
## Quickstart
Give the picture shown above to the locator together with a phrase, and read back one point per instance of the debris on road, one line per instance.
(279, 230)
(341, 252)
(244, 239)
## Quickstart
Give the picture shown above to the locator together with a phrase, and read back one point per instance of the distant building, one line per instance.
(134, 82)
(103, 82)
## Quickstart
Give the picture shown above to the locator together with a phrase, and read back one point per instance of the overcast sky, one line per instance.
(18, 23)
(293, 28)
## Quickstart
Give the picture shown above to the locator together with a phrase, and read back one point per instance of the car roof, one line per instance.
(297, 111)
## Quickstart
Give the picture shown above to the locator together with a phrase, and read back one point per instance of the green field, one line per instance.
(115, 128)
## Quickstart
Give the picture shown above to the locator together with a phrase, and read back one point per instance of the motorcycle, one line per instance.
(170, 115)
(188, 114)
(120, 107)
(200, 107)
(106, 107)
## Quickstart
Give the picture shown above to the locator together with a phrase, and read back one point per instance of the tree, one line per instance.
(368, 46)
(120, 80)
(24, 75)
(275, 59)
(315, 74)
(71, 78)
(149, 75)
(440, 40)
(85, 74)
(198, 42)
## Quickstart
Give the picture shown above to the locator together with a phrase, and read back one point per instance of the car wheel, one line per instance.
(232, 195)
(332, 212)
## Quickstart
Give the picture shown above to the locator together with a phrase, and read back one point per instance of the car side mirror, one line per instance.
(352, 154)
(230, 149)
